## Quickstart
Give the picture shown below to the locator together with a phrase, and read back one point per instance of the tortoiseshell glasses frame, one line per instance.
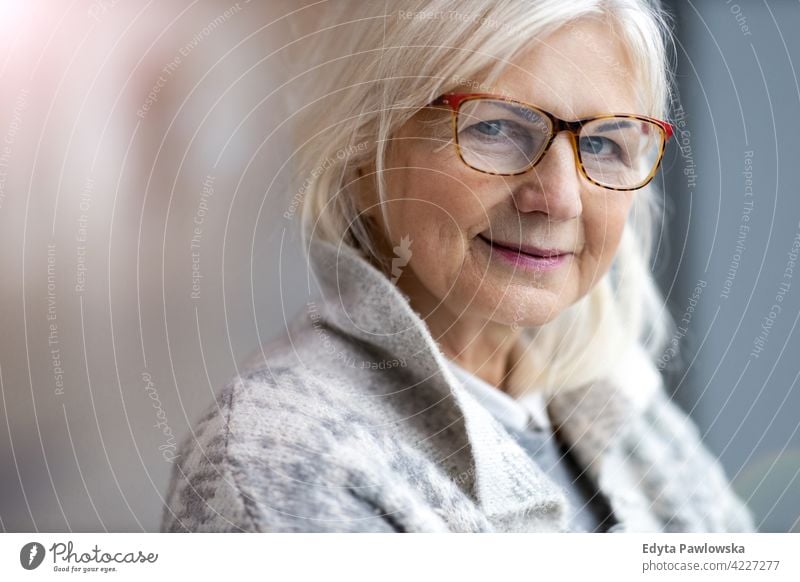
(663, 131)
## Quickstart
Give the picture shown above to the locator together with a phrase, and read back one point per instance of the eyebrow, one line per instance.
(522, 111)
(617, 124)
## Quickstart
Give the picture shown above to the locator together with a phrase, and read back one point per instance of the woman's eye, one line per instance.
(599, 146)
(495, 128)
(490, 127)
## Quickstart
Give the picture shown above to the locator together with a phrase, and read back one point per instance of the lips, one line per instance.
(524, 249)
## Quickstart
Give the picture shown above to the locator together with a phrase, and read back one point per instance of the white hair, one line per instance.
(371, 67)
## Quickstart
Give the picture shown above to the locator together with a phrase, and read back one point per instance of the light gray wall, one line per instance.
(738, 67)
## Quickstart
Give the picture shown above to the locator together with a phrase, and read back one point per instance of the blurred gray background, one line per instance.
(122, 124)
(733, 232)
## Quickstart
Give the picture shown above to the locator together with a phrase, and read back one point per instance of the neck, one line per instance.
(482, 347)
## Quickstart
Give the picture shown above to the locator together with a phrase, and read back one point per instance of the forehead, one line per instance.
(582, 69)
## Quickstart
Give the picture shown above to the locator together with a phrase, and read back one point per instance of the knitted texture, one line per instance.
(351, 421)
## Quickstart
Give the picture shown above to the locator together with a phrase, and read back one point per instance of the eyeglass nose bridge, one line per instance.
(558, 126)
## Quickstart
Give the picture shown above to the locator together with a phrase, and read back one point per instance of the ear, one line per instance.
(367, 169)
(365, 188)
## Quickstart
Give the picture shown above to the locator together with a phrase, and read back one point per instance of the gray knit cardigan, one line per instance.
(351, 421)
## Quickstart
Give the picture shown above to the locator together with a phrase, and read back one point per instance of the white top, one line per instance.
(526, 412)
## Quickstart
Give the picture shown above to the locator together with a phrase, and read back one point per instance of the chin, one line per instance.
(536, 309)
(514, 312)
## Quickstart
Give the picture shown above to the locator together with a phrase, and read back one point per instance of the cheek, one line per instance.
(604, 223)
(433, 215)
(435, 197)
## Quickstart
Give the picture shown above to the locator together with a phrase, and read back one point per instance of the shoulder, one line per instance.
(683, 473)
(278, 450)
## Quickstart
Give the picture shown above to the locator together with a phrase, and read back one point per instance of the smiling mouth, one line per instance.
(539, 254)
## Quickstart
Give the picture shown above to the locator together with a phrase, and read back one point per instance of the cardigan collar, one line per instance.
(363, 303)
(510, 411)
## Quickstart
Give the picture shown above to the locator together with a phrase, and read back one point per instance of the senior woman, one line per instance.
(477, 200)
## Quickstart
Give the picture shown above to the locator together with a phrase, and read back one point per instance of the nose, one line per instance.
(553, 186)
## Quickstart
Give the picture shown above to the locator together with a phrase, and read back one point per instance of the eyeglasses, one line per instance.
(501, 136)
